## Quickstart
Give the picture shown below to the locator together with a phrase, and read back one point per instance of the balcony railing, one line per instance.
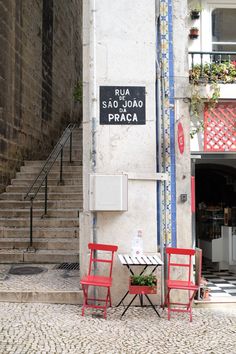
(208, 67)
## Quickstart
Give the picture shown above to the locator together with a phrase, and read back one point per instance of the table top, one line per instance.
(152, 260)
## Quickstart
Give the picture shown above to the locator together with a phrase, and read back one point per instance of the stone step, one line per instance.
(41, 232)
(56, 213)
(41, 243)
(51, 182)
(39, 222)
(51, 189)
(47, 297)
(40, 163)
(75, 156)
(53, 285)
(35, 169)
(56, 204)
(40, 256)
(41, 196)
(53, 175)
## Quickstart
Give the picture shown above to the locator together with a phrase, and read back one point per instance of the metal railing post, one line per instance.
(46, 196)
(31, 222)
(61, 167)
(70, 147)
(201, 56)
(43, 176)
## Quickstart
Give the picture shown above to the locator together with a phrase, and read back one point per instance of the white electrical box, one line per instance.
(108, 192)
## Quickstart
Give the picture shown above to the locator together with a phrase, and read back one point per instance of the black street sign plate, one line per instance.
(122, 105)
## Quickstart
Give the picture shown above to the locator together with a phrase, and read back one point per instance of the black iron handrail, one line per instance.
(215, 57)
(42, 177)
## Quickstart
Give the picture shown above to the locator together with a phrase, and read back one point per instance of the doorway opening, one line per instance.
(215, 221)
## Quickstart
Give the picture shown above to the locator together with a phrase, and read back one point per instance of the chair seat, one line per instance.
(96, 280)
(181, 285)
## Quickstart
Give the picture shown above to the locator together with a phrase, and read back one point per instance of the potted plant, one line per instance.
(143, 284)
(206, 291)
(195, 12)
(194, 32)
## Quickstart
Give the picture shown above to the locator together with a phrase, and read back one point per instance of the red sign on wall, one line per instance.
(180, 135)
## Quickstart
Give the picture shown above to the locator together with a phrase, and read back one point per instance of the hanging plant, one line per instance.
(198, 104)
(195, 11)
(194, 33)
(195, 14)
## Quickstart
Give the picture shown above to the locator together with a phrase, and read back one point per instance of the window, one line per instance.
(224, 30)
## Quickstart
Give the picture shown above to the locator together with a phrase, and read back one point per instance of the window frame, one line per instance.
(206, 22)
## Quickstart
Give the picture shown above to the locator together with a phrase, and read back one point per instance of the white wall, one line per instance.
(124, 54)
(180, 43)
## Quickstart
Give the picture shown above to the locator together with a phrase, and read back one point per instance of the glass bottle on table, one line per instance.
(137, 244)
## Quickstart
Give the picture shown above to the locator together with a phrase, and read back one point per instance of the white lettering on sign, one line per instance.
(122, 92)
(110, 104)
(128, 117)
(133, 104)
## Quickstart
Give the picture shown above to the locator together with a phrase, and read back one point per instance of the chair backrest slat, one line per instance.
(101, 260)
(108, 249)
(188, 252)
(102, 247)
(180, 264)
(183, 251)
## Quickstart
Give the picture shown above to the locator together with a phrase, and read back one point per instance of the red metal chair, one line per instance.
(96, 280)
(186, 283)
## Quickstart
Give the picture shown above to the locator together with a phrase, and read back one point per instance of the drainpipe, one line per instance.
(93, 100)
(160, 121)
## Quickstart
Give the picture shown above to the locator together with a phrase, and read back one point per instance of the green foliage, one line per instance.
(198, 102)
(212, 74)
(145, 280)
(224, 73)
(196, 6)
(78, 92)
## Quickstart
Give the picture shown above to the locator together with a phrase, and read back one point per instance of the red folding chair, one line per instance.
(186, 283)
(95, 280)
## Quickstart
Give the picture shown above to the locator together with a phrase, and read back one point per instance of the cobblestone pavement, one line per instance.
(49, 280)
(54, 329)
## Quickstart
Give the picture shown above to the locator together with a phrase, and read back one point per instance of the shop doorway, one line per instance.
(214, 220)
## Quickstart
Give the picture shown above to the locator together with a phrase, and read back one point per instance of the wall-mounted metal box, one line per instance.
(108, 192)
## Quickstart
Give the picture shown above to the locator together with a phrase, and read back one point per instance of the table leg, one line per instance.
(152, 305)
(128, 305)
(123, 298)
(141, 299)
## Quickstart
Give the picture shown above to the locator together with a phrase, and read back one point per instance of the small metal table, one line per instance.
(145, 261)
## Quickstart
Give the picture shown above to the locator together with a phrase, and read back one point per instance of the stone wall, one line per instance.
(40, 63)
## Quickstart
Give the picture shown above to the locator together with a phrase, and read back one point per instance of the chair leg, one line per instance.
(190, 305)
(109, 294)
(85, 297)
(168, 303)
(190, 308)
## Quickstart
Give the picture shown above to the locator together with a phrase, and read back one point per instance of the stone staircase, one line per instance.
(55, 237)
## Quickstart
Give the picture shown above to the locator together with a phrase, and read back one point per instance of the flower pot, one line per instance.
(194, 33)
(206, 294)
(195, 14)
(142, 289)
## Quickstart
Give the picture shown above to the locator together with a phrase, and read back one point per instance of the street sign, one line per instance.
(122, 105)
